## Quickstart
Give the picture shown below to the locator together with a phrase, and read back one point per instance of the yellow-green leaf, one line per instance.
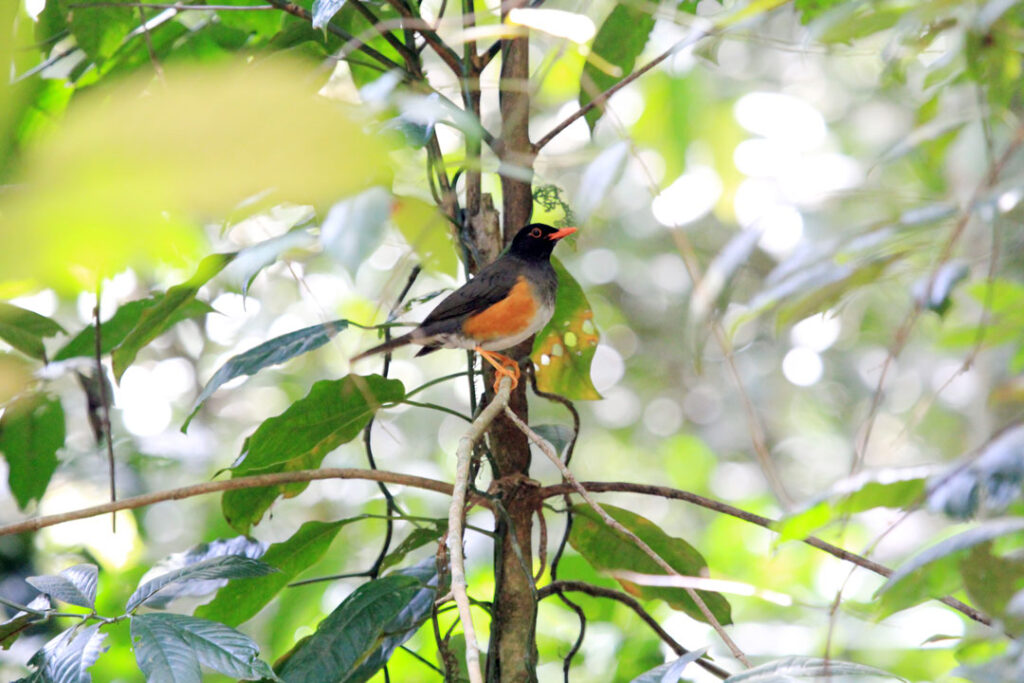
(426, 230)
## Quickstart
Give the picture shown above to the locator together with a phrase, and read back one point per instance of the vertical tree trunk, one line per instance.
(512, 655)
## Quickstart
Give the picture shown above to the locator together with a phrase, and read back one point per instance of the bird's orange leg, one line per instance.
(503, 367)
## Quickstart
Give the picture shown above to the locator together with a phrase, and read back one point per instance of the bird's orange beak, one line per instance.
(564, 232)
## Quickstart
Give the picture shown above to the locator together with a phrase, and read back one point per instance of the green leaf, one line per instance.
(114, 330)
(264, 24)
(273, 352)
(791, 668)
(426, 230)
(254, 258)
(221, 567)
(170, 647)
(67, 658)
(31, 431)
(13, 627)
(357, 638)
(618, 43)
(607, 549)
(25, 330)
(238, 602)
(936, 571)
(333, 413)
(888, 488)
(991, 581)
(75, 585)
(417, 538)
(558, 436)
(354, 227)
(99, 27)
(564, 349)
(158, 318)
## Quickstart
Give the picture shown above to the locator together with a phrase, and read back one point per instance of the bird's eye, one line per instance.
(535, 232)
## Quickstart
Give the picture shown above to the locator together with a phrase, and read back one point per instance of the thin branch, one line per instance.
(251, 482)
(178, 6)
(463, 456)
(558, 587)
(765, 522)
(101, 378)
(698, 32)
(549, 451)
(446, 53)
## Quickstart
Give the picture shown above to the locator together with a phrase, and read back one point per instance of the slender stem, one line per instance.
(101, 378)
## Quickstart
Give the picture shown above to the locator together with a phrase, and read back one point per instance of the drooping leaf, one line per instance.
(125, 179)
(67, 658)
(426, 230)
(417, 538)
(796, 668)
(31, 431)
(220, 567)
(124, 320)
(558, 436)
(252, 259)
(607, 549)
(333, 413)
(241, 546)
(889, 488)
(354, 227)
(158, 318)
(671, 671)
(238, 602)
(356, 640)
(272, 352)
(17, 624)
(936, 571)
(170, 647)
(75, 585)
(25, 330)
(564, 349)
(618, 43)
(988, 484)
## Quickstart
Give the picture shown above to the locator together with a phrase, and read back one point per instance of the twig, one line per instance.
(178, 6)
(765, 522)
(101, 378)
(549, 451)
(251, 482)
(463, 456)
(558, 587)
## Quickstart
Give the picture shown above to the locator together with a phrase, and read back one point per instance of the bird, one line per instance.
(509, 300)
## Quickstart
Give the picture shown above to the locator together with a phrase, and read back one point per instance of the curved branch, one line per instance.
(255, 481)
(767, 523)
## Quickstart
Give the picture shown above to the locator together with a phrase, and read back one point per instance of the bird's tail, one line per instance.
(386, 346)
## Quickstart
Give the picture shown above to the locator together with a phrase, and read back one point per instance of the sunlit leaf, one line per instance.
(796, 668)
(75, 585)
(31, 431)
(354, 227)
(323, 10)
(25, 330)
(218, 567)
(272, 352)
(333, 413)
(358, 637)
(123, 180)
(607, 549)
(618, 43)
(170, 647)
(168, 309)
(264, 24)
(427, 231)
(251, 260)
(239, 601)
(672, 671)
(564, 349)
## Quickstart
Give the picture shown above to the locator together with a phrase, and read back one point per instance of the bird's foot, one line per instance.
(503, 367)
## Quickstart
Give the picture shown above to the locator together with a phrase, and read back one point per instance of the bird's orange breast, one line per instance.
(507, 318)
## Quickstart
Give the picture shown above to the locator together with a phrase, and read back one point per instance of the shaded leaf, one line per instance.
(75, 585)
(98, 27)
(355, 640)
(606, 549)
(426, 230)
(170, 647)
(670, 672)
(992, 582)
(272, 352)
(796, 668)
(988, 484)
(13, 627)
(333, 413)
(221, 567)
(354, 227)
(238, 602)
(25, 330)
(31, 431)
(618, 43)
(158, 318)
(242, 546)
(417, 538)
(67, 658)
(564, 349)
(558, 436)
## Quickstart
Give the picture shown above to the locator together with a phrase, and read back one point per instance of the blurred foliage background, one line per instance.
(800, 241)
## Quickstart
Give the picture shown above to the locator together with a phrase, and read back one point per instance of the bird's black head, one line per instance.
(535, 241)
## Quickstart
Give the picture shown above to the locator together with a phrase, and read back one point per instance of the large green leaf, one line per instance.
(157, 319)
(607, 549)
(132, 170)
(427, 231)
(272, 352)
(98, 26)
(170, 647)
(564, 349)
(357, 638)
(31, 431)
(75, 585)
(333, 413)
(221, 567)
(618, 43)
(25, 330)
(797, 668)
(238, 602)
